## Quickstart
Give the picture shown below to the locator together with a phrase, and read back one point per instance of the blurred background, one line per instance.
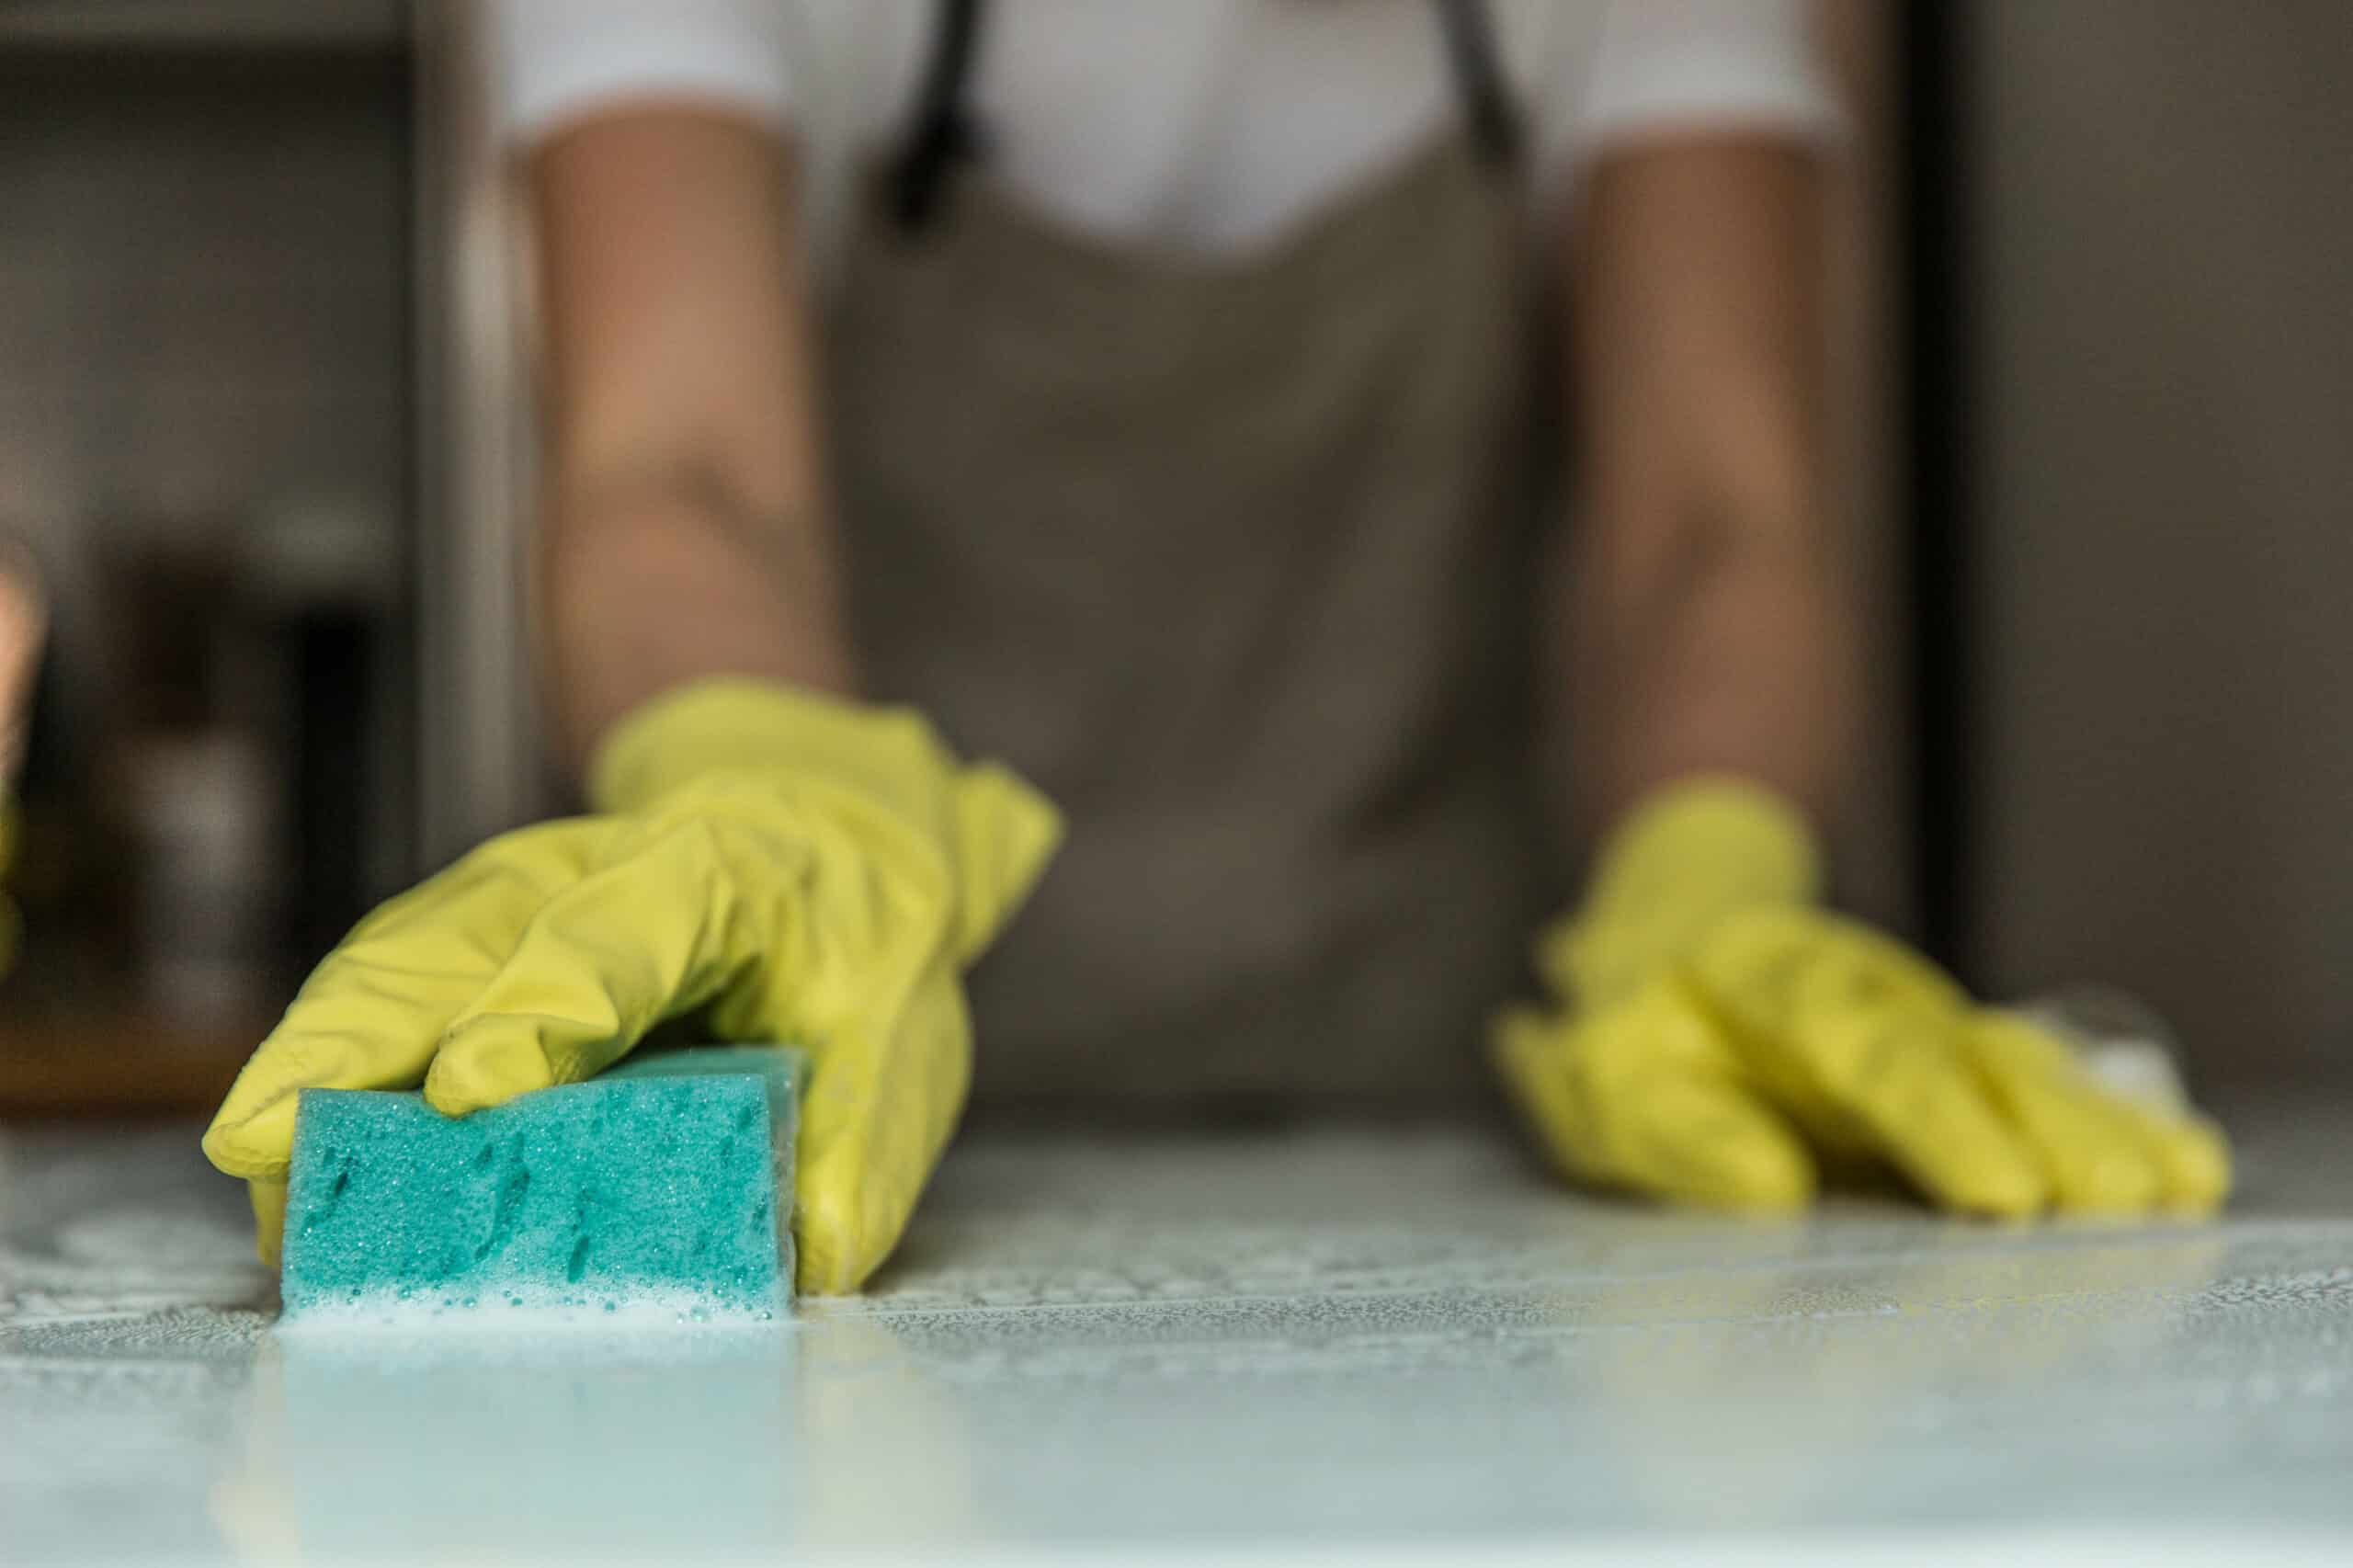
(265, 437)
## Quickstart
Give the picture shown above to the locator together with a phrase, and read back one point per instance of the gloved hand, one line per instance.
(1722, 1038)
(811, 872)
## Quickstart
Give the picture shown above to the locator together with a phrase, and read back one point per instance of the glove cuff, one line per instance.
(730, 723)
(997, 831)
(1718, 828)
(1692, 854)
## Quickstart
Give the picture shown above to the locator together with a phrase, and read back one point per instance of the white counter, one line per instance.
(1345, 1347)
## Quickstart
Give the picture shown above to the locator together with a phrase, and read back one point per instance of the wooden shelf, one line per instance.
(127, 1064)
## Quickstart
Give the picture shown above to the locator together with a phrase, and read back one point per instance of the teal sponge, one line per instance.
(664, 1185)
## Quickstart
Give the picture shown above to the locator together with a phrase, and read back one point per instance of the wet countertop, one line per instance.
(1342, 1345)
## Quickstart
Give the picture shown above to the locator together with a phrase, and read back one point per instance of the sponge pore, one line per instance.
(666, 1185)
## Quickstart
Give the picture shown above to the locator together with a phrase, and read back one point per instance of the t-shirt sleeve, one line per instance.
(558, 61)
(1665, 65)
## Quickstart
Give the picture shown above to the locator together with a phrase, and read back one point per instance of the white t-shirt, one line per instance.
(1209, 126)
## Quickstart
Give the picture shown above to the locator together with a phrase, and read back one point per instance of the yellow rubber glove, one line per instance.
(808, 870)
(1721, 1039)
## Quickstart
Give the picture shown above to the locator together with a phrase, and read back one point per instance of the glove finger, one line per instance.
(2104, 1155)
(1644, 1096)
(1858, 1037)
(655, 930)
(2191, 1150)
(2195, 1156)
(1531, 1056)
(1898, 1069)
(1765, 973)
(1005, 834)
(372, 1013)
(1695, 1141)
(882, 1102)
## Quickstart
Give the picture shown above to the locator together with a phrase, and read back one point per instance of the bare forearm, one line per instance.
(1712, 627)
(686, 531)
(1727, 660)
(655, 583)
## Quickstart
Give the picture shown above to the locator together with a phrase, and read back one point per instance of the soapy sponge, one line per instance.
(664, 1185)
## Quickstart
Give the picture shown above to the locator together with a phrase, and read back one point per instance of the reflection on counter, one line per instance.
(493, 1447)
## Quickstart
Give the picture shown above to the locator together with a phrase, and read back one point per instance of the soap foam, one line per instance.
(530, 1310)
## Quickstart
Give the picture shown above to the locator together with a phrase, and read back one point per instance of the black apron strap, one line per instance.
(943, 130)
(1479, 78)
(943, 133)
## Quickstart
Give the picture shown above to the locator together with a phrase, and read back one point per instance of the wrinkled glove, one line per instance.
(1720, 1039)
(809, 872)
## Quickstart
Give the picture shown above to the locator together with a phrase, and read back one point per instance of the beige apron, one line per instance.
(1231, 561)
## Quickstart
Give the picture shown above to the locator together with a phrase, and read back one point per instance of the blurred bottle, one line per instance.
(23, 631)
(325, 572)
(192, 777)
(199, 802)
